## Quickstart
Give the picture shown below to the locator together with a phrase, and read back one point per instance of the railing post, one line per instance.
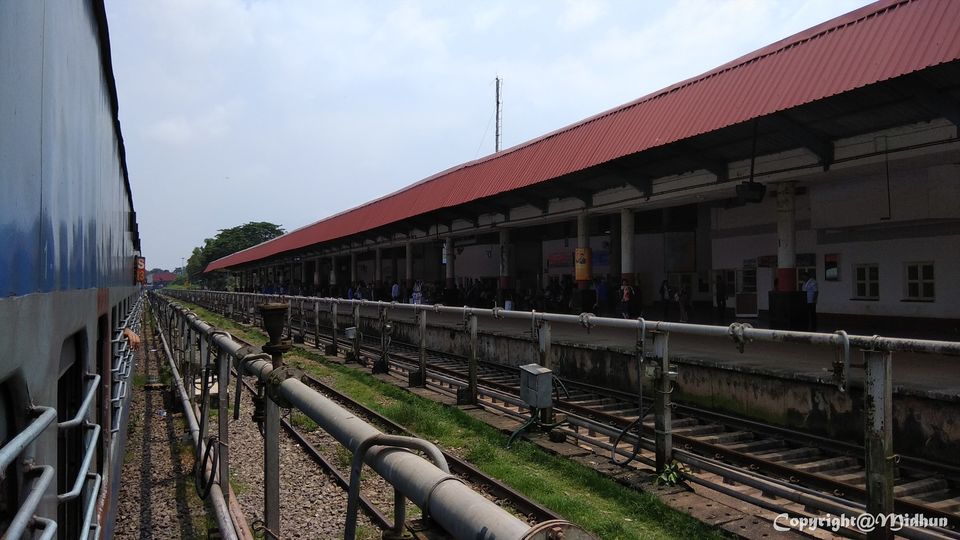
(356, 332)
(333, 322)
(273, 317)
(316, 324)
(303, 323)
(662, 409)
(190, 357)
(544, 340)
(878, 435)
(382, 364)
(468, 395)
(419, 377)
(223, 405)
(289, 318)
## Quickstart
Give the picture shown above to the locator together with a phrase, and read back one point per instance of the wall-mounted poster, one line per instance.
(831, 267)
(581, 264)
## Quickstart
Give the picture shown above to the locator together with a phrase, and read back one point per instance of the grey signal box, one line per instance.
(536, 386)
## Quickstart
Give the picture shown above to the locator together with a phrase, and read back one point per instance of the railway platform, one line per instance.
(926, 375)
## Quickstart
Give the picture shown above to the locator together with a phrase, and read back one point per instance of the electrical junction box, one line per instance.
(536, 386)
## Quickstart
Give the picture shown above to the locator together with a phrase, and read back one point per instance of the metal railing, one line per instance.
(458, 509)
(652, 354)
(41, 476)
(176, 341)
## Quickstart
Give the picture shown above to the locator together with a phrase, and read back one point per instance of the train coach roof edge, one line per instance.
(106, 60)
(808, 66)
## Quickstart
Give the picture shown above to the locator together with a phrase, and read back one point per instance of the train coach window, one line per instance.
(70, 441)
(8, 478)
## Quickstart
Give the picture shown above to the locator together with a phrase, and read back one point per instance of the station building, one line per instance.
(834, 151)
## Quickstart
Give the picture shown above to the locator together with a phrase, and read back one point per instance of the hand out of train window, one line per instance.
(133, 338)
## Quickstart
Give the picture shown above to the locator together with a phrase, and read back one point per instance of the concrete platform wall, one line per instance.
(923, 427)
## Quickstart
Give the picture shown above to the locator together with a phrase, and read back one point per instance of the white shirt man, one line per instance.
(813, 291)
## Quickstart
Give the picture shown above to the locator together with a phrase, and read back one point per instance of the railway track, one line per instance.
(774, 468)
(482, 482)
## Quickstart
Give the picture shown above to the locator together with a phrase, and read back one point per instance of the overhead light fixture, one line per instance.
(750, 192)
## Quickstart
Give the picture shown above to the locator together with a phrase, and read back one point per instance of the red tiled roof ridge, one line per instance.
(799, 38)
(550, 160)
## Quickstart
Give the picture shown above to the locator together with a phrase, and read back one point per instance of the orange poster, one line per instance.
(582, 259)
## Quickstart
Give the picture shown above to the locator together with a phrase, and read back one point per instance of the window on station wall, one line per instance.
(866, 281)
(919, 281)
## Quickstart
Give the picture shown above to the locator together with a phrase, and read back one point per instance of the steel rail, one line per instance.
(459, 510)
(459, 466)
(601, 418)
(873, 343)
(606, 419)
(453, 377)
(382, 520)
(221, 511)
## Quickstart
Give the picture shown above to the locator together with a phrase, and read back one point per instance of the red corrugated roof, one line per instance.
(881, 41)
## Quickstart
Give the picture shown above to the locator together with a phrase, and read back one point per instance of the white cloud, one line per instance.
(312, 106)
(577, 14)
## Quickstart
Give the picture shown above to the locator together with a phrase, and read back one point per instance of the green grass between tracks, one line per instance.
(582, 495)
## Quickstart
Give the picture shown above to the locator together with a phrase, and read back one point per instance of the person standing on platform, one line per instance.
(812, 289)
(417, 292)
(666, 296)
(683, 302)
(395, 292)
(626, 296)
(721, 294)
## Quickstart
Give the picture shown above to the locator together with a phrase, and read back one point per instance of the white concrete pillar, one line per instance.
(583, 256)
(626, 245)
(786, 238)
(333, 271)
(451, 256)
(506, 254)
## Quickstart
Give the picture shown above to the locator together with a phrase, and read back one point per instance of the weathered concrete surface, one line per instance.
(926, 424)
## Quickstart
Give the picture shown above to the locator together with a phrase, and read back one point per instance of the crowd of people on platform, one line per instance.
(603, 296)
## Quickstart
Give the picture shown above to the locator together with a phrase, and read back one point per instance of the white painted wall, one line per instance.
(855, 206)
(915, 194)
(478, 261)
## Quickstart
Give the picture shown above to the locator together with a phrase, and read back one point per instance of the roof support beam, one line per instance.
(821, 146)
(448, 216)
(577, 192)
(639, 181)
(415, 224)
(541, 204)
(929, 98)
(704, 159)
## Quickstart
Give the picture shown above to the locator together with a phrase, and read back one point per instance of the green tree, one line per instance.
(226, 242)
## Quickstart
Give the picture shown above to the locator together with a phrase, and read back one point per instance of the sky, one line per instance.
(289, 111)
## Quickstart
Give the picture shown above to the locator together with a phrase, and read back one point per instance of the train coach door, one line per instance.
(103, 369)
(8, 479)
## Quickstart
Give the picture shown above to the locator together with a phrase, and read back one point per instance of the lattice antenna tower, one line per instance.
(499, 130)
